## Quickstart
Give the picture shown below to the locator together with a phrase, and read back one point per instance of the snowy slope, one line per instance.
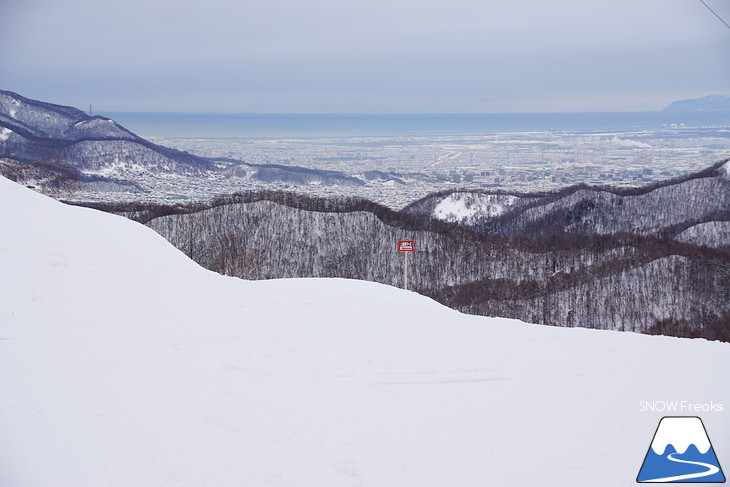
(124, 364)
(465, 207)
(661, 209)
(712, 234)
(33, 131)
(37, 119)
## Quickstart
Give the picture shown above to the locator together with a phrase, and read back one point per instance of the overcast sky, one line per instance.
(405, 56)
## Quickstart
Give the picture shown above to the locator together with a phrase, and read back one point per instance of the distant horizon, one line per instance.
(412, 113)
(196, 103)
(537, 111)
(217, 125)
(143, 112)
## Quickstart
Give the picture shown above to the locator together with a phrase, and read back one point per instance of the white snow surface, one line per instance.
(122, 363)
(452, 208)
(5, 133)
(680, 432)
(461, 207)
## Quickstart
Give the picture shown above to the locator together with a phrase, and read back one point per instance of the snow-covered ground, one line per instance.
(122, 363)
(464, 207)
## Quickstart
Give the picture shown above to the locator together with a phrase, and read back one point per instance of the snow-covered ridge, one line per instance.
(39, 118)
(32, 118)
(657, 209)
(32, 130)
(711, 234)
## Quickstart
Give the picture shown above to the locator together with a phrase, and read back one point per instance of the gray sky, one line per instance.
(404, 56)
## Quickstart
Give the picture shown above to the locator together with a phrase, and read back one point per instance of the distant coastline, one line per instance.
(710, 103)
(232, 125)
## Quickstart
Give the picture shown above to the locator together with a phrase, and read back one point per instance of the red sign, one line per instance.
(405, 246)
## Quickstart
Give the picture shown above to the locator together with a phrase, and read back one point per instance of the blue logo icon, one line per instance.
(681, 452)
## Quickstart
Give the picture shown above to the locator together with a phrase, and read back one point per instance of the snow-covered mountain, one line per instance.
(698, 204)
(552, 258)
(53, 146)
(124, 363)
(66, 143)
(39, 120)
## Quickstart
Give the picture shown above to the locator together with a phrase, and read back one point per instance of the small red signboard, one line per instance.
(405, 246)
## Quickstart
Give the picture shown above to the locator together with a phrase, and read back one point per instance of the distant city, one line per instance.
(395, 171)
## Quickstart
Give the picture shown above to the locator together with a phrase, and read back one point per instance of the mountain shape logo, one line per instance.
(681, 452)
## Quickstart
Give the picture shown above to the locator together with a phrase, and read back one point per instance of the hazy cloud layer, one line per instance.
(380, 56)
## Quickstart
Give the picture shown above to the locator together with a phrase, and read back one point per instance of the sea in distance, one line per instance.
(233, 125)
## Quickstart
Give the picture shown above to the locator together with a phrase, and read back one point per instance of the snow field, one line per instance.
(122, 363)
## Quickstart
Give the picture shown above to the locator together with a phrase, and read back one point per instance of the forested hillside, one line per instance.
(694, 208)
(56, 148)
(59, 144)
(623, 281)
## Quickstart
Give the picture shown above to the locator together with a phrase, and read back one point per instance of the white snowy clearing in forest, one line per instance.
(124, 363)
(459, 207)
